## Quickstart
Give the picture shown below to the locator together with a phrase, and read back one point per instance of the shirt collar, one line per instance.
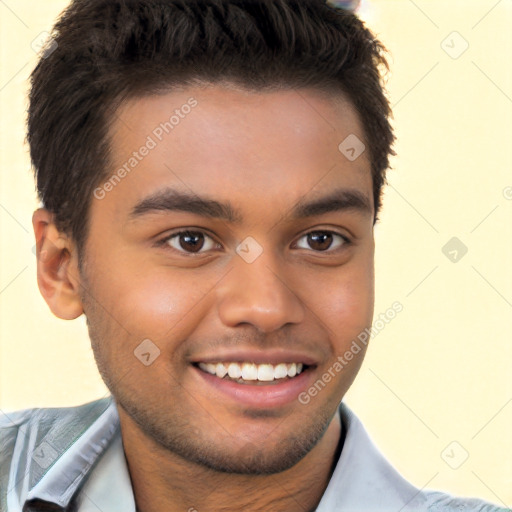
(363, 479)
(62, 479)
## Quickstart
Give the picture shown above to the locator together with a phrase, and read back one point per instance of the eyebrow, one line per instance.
(170, 200)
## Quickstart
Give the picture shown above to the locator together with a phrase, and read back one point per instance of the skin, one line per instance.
(188, 446)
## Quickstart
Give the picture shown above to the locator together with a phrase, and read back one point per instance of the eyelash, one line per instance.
(165, 241)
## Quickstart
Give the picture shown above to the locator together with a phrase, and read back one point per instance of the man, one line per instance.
(211, 172)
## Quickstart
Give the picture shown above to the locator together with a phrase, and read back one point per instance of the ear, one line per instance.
(57, 267)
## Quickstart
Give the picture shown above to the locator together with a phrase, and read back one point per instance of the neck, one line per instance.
(163, 481)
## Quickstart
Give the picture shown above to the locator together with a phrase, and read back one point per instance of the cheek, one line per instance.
(347, 311)
(158, 306)
(344, 298)
(147, 301)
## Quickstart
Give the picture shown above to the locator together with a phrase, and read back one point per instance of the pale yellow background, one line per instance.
(441, 370)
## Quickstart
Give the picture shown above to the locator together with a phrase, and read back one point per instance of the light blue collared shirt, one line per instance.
(74, 458)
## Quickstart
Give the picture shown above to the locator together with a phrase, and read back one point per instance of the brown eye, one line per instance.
(190, 241)
(321, 241)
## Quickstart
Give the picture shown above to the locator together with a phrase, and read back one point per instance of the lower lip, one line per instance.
(260, 396)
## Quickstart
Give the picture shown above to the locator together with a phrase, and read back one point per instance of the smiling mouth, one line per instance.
(251, 373)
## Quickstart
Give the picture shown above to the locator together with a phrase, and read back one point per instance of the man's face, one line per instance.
(265, 280)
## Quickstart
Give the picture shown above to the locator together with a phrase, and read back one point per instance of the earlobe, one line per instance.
(57, 267)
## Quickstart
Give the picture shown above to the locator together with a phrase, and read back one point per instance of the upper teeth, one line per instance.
(251, 371)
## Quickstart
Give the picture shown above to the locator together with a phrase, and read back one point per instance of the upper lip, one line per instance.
(257, 357)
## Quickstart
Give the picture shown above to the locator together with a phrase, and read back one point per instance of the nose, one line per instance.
(258, 293)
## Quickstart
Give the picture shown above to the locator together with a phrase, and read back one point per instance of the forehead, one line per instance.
(222, 140)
